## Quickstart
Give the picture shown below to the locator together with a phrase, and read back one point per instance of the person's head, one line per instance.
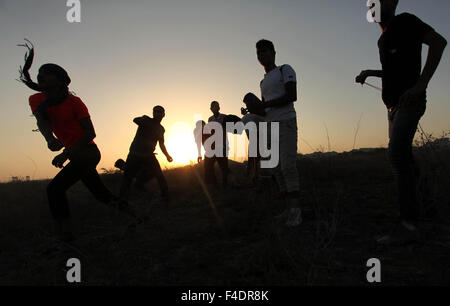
(158, 112)
(120, 164)
(52, 77)
(265, 51)
(388, 8)
(215, 107)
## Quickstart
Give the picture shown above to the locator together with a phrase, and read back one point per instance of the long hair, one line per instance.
(54, 69)
(25, 70)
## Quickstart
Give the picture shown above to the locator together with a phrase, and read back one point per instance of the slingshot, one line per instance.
(373, 86)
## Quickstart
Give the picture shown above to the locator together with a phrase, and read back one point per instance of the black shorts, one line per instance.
(143, 168)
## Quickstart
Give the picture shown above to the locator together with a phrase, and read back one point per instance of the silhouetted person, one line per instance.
(200, 138)
(210, 176)
(64, 121)
(222, 146)
(404, 94)
(279, 92)
(143, 176)
(254, 106)
(141, 161)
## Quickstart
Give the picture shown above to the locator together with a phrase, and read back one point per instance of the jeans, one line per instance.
(82, 167)
(403, 123)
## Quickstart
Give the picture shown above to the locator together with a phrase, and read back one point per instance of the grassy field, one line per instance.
(232, 238)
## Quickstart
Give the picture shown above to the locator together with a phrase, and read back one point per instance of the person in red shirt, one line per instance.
(64, 121)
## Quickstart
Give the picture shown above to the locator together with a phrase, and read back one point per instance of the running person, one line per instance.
(404, 94)
(64, 121)
(141, 161)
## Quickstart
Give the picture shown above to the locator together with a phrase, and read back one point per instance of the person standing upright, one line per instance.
(404, 94)
(279, 92)
(222, 146)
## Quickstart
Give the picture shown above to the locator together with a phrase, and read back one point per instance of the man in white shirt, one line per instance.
(279, 92)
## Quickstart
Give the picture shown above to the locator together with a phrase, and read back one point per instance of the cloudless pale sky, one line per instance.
(127, 56)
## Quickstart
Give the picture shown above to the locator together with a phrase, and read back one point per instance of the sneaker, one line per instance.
(400, 236)
(294, 217)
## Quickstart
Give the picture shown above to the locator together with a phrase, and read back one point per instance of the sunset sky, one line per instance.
(127, 56)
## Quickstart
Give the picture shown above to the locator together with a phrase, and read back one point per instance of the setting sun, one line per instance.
(181, 144)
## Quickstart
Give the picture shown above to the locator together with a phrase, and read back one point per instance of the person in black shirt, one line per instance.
(404, 94)
(141, 161)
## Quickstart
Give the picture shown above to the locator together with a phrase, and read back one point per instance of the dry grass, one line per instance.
(186, 243)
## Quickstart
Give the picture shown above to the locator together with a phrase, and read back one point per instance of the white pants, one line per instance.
(286, 172)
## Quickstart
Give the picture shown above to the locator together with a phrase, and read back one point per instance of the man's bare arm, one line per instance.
(289, 97)
(198, 141)
(45, 129)
(437, 45)
(361, 78)
(164, 150)
(44, 126)
(140, 120)
(87, 136)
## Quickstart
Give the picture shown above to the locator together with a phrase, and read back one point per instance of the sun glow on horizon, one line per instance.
(180, 144)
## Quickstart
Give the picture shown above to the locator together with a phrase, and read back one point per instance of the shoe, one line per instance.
(294, 217)
(400, 236)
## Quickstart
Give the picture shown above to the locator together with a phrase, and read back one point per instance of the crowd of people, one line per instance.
(64, 121)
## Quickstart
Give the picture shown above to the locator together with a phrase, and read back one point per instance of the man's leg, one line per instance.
(403, 128)
(56, 191)
(160, 176)
(90, 177)
(132, 167)
(223, 164)
(210, 177)
(287, 174)
(57, 199)
(403, 123)
(253, 161)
